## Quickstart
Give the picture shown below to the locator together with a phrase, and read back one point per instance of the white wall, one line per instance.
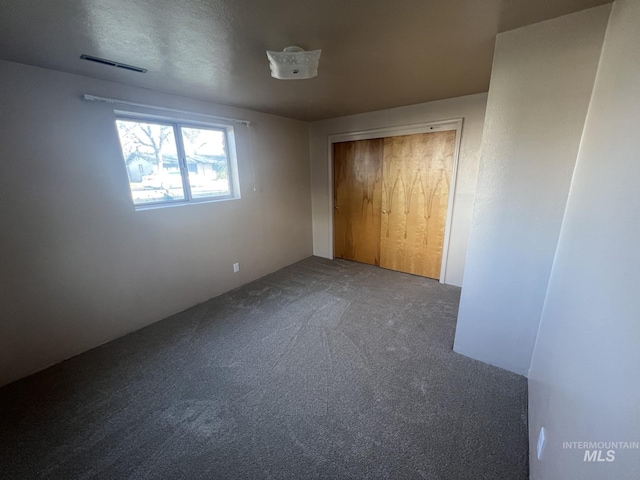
(79, 266)
(470, 107)
(584, 382)
(541, 82)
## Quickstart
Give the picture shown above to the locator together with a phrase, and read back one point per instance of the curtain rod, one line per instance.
(113, 101)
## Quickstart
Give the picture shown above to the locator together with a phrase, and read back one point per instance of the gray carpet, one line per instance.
(325, 369)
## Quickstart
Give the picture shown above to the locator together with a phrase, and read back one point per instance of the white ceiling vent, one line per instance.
(294, 63)
(112, 63)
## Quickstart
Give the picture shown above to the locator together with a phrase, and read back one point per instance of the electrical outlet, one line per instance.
(236, 267)
(541, 440)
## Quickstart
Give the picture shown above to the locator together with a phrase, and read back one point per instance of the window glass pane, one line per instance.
(207, 162)
(151, 157)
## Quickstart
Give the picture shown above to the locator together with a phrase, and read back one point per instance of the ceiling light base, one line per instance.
(294, 63)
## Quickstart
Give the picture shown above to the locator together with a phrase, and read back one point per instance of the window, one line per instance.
(170, 162)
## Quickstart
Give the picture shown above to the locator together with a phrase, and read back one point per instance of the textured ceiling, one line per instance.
(375, 53)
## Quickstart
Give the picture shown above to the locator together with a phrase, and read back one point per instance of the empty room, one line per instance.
(320, 239)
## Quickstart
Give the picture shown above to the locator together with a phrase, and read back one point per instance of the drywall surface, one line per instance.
(584, 383)
(541, 83)
(79, 265)
(470, 107)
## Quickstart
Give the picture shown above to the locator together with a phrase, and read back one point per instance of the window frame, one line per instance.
(177, 125)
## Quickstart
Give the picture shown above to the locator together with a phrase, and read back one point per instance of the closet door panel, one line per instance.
(357, 177)
(416, 175)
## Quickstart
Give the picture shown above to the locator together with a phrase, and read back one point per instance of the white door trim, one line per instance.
(439, 126)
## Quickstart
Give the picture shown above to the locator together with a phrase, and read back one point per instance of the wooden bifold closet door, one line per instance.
(390, 200)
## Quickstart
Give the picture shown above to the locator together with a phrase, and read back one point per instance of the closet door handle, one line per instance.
(384, 211)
